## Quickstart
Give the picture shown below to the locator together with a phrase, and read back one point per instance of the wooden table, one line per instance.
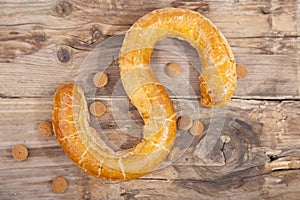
(43, 43)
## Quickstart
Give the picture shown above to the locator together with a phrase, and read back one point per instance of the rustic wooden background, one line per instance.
(43, 43)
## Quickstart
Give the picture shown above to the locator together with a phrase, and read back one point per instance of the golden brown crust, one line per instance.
(67, 132)
(218, 79)
(70, 116)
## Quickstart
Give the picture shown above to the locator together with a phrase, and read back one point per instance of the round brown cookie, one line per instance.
(59, 185)
(100, 79)
(173, 69)
(45, 128)
(241, 71)
(197, 128)
(184, 123)
(97, 109)
(174, 153)
(20, 152)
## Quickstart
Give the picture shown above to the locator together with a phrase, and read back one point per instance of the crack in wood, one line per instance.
(223, 151)
(273, 157)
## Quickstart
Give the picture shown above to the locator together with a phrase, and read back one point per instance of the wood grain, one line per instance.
(35, 72)
(44, 43)
(263, 136)
(43, 36)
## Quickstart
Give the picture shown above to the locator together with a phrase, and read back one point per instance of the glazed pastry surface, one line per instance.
(70, 115)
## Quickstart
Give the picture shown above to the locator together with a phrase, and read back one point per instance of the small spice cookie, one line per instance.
(97, 109)
(184, 123)
(20, 152)
(100, 79)
(241, 71)
(45, 128)
(197, 128)
(59, 185)
(173, 69)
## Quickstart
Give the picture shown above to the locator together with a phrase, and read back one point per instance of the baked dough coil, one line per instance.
(70, 116)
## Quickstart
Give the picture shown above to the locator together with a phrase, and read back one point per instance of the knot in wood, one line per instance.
(95, 33)
(265, 10)
(39, 37)
(63, 55)
(63, 8)
(86, 195)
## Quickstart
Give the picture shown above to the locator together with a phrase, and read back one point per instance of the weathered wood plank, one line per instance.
(240, 16)
(20, 184)
(38, 74)
(33, 43)
(81, 187)
(276, 122)
(263, 137)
